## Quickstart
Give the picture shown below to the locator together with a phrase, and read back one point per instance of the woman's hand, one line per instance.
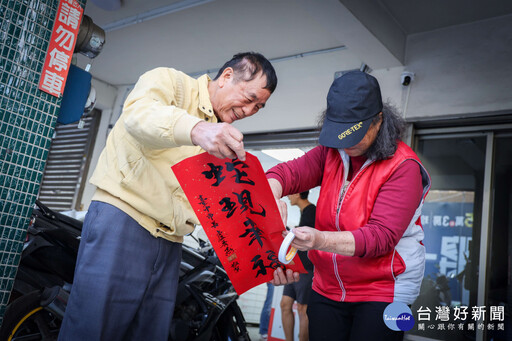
(277, 191)
(307, 238)
(283, 210)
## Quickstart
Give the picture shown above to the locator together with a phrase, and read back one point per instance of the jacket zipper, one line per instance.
(346, 185)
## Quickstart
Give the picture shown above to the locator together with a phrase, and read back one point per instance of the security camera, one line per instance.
(407, 78)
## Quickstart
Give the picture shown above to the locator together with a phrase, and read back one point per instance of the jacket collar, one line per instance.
(346, 163)
(205, 105)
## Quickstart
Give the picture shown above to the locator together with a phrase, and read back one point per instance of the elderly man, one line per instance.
(128, 263)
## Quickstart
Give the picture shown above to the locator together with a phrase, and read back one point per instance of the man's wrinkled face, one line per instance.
(237, 99)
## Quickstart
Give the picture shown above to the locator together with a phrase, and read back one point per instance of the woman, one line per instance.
(366, 247)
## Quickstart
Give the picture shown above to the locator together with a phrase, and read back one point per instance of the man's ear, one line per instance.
(225, 76)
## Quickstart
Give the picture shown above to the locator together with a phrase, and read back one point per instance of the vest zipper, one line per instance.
(346, 185)
(342, 193)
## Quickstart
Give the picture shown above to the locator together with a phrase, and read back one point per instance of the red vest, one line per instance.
(356, 279)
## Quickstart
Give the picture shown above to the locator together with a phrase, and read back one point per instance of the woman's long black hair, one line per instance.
(390, 133)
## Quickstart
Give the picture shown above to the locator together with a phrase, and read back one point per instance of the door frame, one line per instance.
(490, 131)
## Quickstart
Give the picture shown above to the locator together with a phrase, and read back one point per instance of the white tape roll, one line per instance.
(284, 256)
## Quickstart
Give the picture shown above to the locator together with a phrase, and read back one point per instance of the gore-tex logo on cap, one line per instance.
(350, 130)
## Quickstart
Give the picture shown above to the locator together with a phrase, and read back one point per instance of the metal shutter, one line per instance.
(68, 163)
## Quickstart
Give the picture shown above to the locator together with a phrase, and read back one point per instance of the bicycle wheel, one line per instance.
(26, 319)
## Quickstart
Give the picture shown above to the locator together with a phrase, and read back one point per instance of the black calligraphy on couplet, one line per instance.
(221, 238)
(253, 231)
(244, 204)
(239, 204)
(259, 264)
(240, 176)
(206, 209)
(215, 172)
(203, 202)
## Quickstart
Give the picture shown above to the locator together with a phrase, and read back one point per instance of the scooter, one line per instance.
(206, 306)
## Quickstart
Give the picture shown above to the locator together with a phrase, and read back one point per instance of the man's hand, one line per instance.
(282, 278)
(219, 139)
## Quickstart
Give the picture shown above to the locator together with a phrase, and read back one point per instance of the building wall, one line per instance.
(462, 70)
(27, 121)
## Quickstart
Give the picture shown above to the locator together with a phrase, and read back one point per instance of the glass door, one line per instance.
(499, 282)
(451, 220)
(466, 292)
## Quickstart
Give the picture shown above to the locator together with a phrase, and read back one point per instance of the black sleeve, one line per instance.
(308, 216)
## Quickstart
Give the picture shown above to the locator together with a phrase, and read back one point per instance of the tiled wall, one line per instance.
(27, 120)
(251, 303)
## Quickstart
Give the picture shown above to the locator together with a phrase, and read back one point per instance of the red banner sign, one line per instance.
(60, 50)
(234, 203)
